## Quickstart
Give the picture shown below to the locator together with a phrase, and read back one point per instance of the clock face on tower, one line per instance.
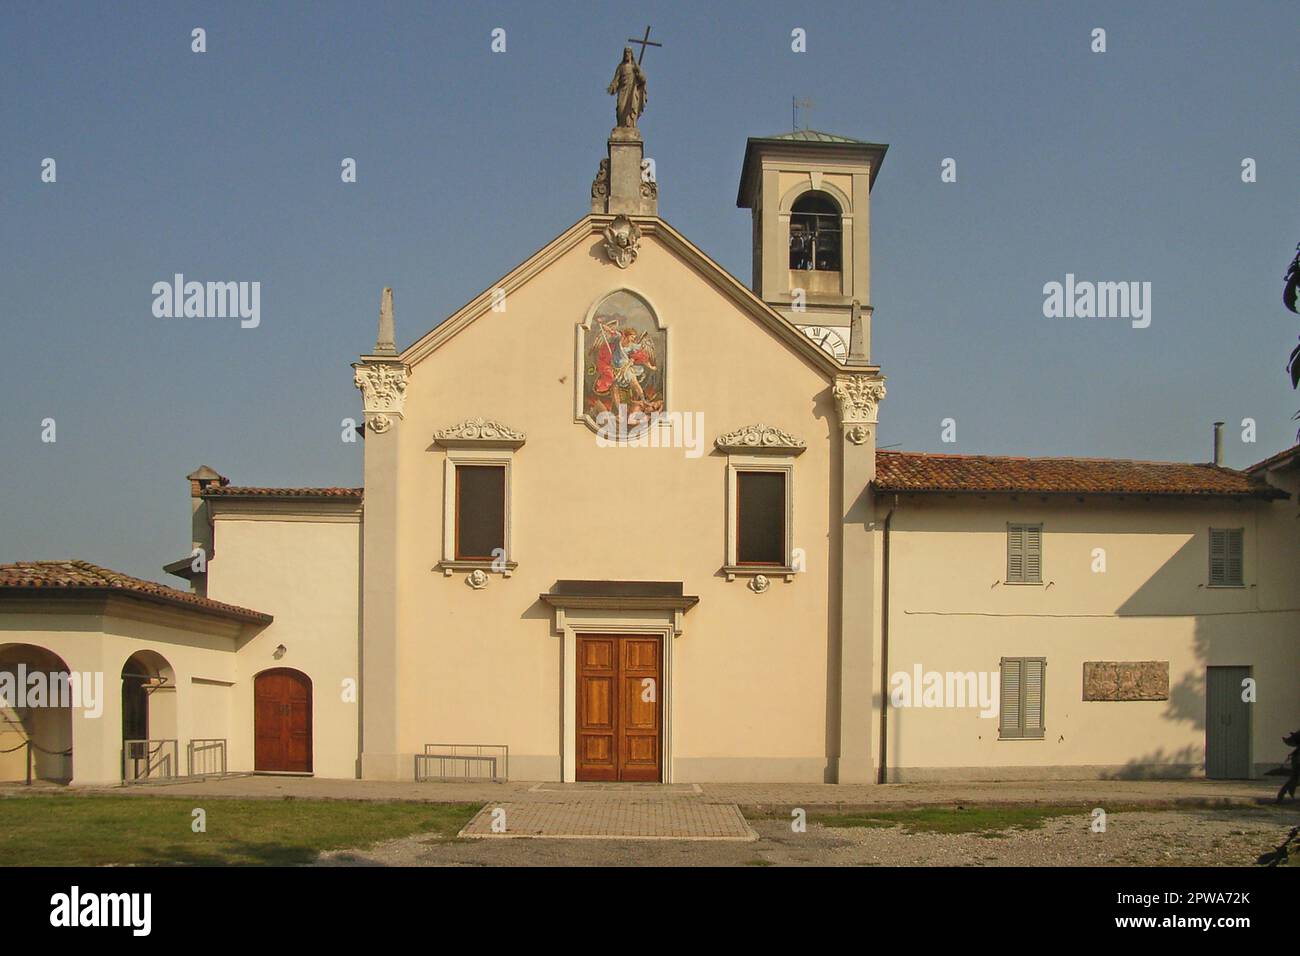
(831, 340)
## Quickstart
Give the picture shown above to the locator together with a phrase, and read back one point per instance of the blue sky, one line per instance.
(1124, 165)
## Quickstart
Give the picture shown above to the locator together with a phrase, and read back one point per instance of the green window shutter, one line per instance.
(1034, 553)
(1024, 553)
(1015, 553)
(1227, 549)
(1009, 699)
(1218, 556)
(1032, 706)
(1236, 541)
(1021, 698)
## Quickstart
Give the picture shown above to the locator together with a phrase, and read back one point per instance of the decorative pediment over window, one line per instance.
(760, 438)
(478, 433)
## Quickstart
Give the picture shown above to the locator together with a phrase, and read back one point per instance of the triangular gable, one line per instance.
(709, 270)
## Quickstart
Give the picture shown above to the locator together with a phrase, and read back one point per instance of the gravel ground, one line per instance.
(1184, 837)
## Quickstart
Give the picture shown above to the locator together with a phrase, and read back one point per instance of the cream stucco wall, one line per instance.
(949, 611)
(299, 562)
(98, 637)
(749, 691)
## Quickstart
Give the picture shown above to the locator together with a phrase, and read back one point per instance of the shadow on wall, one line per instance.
(1167, 591)
(1220, 637)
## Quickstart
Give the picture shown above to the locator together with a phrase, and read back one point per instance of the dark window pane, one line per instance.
(760, 521)
(480, 511)
(815, 233)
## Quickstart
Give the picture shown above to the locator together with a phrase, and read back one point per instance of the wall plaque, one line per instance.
(1125, 680)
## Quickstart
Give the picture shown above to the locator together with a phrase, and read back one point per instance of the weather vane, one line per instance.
(797, 104)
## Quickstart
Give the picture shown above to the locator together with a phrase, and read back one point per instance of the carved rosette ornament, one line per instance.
(383, 392)
(760, 438)
(857, 398)
(622, 241)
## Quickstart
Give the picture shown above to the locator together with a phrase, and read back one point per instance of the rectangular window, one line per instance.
(1226, 550)
(480, 512)
(1021, 698)
(760, 518)
(1024, 553)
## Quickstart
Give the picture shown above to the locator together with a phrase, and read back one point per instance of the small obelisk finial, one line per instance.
(386, 343)
(859, 350)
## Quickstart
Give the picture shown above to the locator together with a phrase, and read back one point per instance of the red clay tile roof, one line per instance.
(68, 578)
(231, 491)
(1287, 455)
(919, 471)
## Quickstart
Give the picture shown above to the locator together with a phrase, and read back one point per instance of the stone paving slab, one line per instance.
(580, 819)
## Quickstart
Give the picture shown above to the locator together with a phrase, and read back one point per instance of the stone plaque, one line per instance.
(1126, 680)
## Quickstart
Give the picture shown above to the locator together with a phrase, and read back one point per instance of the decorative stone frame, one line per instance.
(634, 615)
(816, 183)
(476, 442)
(580, 415)
(780, 461)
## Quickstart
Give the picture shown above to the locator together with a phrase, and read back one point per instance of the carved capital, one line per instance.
(478, 433)
(857, 397)
(760, 438)
(383, 392)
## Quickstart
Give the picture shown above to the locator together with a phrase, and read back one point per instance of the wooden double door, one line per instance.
(282, 721)
(620, 708)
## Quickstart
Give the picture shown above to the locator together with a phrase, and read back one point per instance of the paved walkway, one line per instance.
(631, 818)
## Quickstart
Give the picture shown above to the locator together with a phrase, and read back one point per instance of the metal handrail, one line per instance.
(136, 751)
(206, 749)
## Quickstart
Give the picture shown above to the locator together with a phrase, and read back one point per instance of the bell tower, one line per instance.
(810, 194)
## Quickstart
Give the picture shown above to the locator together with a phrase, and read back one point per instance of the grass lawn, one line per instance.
(95, 830)
(983, 820)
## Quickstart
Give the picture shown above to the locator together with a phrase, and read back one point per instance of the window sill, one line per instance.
(733, 571)
(448, 568)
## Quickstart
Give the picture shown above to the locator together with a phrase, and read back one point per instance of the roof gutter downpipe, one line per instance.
(882, 773)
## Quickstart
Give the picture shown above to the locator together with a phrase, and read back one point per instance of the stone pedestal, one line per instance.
(620, 186)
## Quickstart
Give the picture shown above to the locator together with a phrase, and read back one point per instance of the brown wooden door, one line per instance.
(619, 708)
(282, 721)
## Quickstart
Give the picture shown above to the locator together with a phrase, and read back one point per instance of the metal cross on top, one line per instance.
(645, 41)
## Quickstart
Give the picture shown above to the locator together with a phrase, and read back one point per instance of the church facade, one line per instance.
(624, 515)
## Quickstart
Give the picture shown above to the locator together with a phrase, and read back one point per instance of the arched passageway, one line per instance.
(36, 700)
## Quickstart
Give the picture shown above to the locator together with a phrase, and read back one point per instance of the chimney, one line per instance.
(1218, 444)
(201, 479)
